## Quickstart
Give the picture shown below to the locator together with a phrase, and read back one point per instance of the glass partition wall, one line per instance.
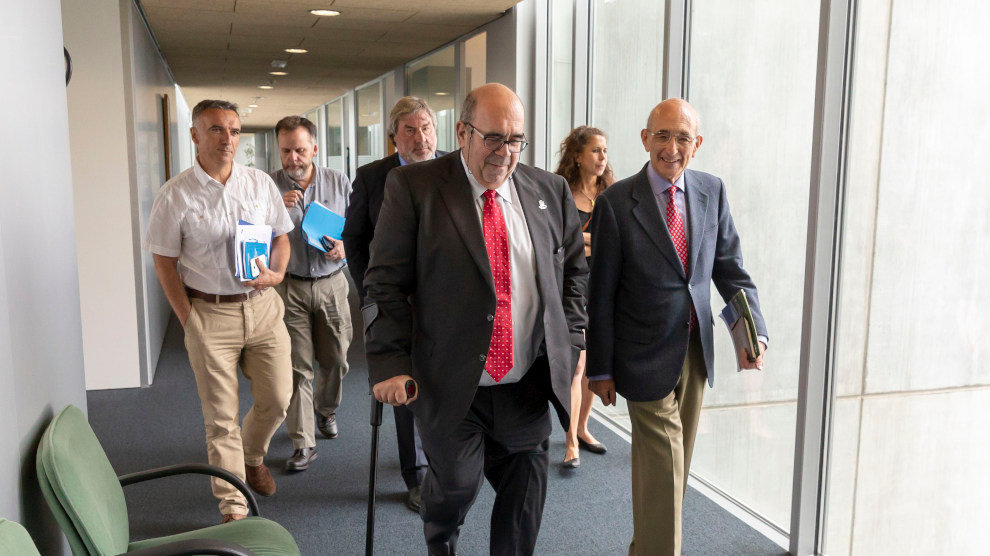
(434, 79)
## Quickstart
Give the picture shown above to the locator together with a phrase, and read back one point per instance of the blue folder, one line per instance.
(320, 221)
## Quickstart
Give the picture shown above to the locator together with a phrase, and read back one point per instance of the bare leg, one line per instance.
(578, 384)
(587, 398)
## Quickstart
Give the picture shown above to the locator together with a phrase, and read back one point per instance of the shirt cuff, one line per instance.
(600, 377)
(764, 339)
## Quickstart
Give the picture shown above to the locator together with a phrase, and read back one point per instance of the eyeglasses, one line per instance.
(663, 137)
(495, 142)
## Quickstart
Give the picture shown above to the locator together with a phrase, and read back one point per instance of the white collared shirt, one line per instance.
(194, 217)
(527, 324)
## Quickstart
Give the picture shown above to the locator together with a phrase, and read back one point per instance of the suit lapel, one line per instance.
(647, 213)
(455, 189)
(697, 213)
(536, 221)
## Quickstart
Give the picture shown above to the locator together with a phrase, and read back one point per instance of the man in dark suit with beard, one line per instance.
(476, 291)
(413, 131)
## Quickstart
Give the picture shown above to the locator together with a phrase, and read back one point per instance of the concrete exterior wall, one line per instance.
(41, 354)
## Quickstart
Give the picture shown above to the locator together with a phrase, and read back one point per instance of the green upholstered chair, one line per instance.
(87, 499)
(15, 541)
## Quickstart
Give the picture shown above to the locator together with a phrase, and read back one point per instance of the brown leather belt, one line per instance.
(219, 298)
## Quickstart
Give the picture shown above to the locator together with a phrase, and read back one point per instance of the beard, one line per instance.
(296, 172)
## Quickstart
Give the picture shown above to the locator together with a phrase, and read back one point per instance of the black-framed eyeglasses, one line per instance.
(495, 142)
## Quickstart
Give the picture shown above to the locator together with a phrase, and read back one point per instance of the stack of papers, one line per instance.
(252, 245)
(320, 221)
(742, 328)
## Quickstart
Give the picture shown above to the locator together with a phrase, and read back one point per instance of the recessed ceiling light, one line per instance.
(441, 93)
(278, 73)
(252, 106)
(324, 13)
(296, 50)
(265, 87)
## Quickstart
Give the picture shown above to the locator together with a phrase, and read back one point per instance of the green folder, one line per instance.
(742, 328)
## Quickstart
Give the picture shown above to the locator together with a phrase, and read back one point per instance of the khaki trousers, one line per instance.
(219, 337)
(318, 318)
(663, 434)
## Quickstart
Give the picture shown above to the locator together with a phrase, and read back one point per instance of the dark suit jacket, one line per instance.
(430, 288)
(640, 300)
(367, 193)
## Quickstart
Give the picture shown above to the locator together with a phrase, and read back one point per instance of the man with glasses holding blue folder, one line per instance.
(315, 288)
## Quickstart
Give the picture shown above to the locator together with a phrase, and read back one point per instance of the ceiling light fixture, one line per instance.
(278, 73)
(265, 87)
(296, 50)
(252, 106)
(325, 12)
(441, 93)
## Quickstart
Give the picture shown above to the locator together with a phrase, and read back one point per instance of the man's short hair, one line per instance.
(291, 123)
(404, 107)
(208, 104)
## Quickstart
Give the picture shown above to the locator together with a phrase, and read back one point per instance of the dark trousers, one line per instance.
(505, 437)
(412, 459)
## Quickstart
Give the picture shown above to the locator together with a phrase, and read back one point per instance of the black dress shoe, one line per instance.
(572, 463)
(300, 459)
(414, 500)
(596, 448)
(327, 425)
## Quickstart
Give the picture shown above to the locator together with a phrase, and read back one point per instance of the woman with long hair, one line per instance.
(584, 164)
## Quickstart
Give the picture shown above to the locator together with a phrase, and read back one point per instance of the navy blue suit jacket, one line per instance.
(640, 299)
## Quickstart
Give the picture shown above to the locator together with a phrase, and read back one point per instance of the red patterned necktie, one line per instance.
(499, 359)
(676, 226)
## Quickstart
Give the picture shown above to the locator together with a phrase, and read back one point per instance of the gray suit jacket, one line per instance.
(430, 289)
(640, 299)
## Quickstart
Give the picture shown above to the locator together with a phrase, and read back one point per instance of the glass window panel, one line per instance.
(434, 79)
(561, 75)
(475, 51)
(752, 78)
(334, 135)
(627, 75)
(370, 135)
(908, 469)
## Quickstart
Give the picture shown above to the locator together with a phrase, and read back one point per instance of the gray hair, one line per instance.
(404, 107)
(208, 104)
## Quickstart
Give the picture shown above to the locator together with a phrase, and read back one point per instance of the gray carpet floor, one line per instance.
(588, 510)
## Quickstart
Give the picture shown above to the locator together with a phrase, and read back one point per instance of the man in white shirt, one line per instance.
(227, 321)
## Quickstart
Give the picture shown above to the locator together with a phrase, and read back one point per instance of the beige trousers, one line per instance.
(318, 318)
(663, 434)
(219, 337)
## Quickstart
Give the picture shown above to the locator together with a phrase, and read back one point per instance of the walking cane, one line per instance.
(376, 422)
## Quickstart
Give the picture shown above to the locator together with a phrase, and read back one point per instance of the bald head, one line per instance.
(672, 137)
(491, 94)
(676, 106)
(492, 113)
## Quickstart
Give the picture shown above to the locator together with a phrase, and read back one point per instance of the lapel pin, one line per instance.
(543, 206)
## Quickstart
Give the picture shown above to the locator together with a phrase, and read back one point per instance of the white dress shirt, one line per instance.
(527, 323)
(194, 217)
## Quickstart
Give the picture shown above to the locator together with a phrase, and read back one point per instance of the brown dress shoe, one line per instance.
(227, 518)
(260, 479)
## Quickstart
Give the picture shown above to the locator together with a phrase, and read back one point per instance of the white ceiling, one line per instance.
(224, 48)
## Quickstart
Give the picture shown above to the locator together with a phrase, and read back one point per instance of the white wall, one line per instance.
(41, 362)
(116, 95)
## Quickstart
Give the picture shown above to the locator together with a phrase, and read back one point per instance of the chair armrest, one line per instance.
(194, 547)
(196, 468)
